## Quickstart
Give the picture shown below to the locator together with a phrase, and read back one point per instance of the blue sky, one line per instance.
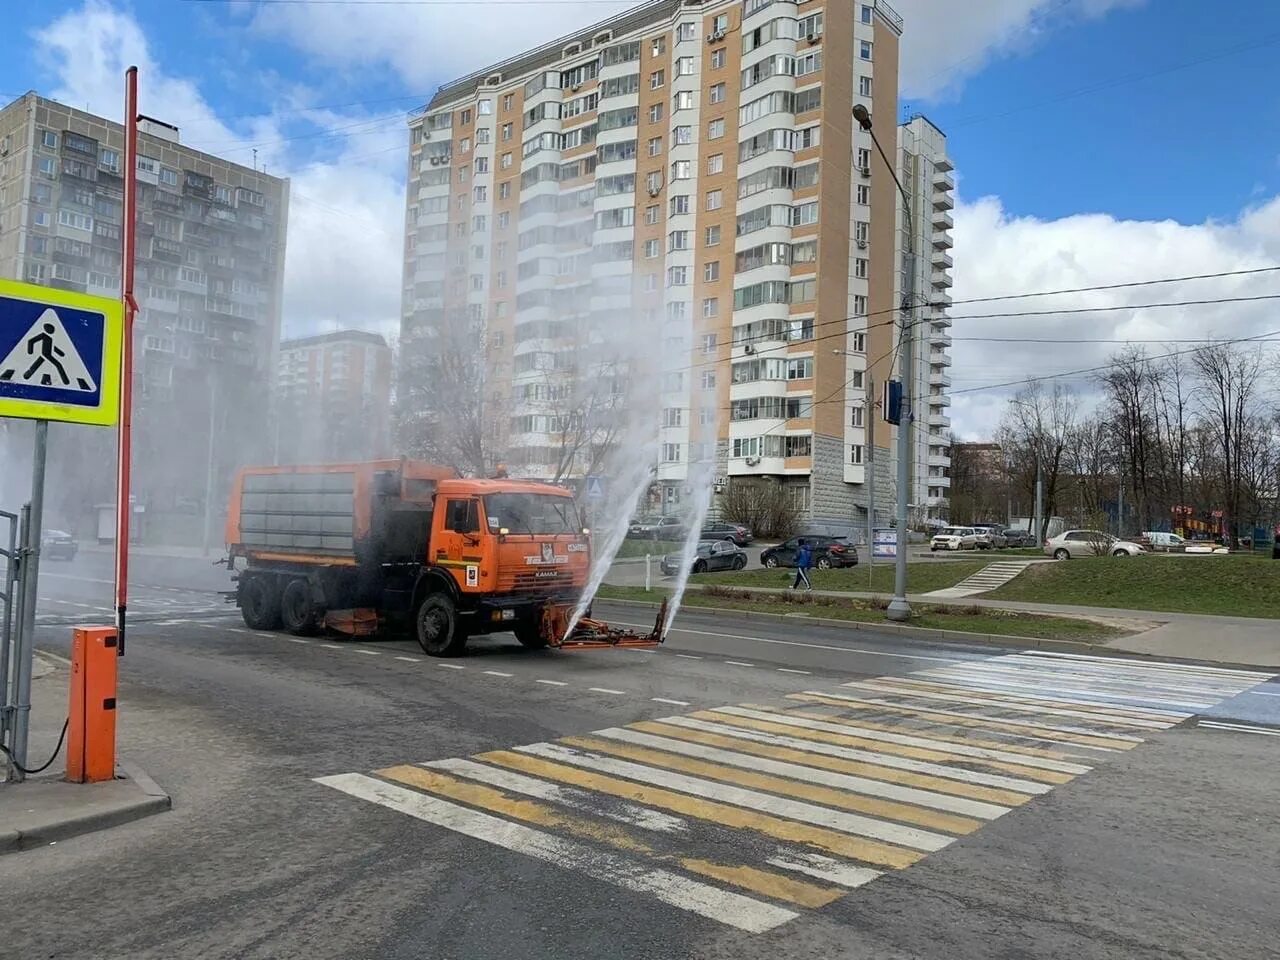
(1095, 141)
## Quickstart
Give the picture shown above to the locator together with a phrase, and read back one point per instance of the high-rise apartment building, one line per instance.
(693, 169)
(335, 395)
(925, 171)
(209, 275)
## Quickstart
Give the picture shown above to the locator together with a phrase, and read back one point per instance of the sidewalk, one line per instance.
(45, 808)
(145, 550)
(1187, 636)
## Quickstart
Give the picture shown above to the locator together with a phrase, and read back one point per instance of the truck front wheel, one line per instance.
(297, 608)
(259, 602)
(439, 632)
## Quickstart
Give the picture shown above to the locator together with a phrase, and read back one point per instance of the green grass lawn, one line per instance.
(968, 619)
(1240, 586)
(921, 577)
(655, 548)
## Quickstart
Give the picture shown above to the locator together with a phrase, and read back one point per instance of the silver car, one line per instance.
(1073, 544)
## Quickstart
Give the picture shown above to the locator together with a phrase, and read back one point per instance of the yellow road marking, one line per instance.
(972, 791)
(927, 732)
(828, 796)
(868, 851)
(764, 882)
(1008, 726)
(880, 746)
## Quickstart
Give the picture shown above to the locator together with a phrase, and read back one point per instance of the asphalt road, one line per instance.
(728, 796)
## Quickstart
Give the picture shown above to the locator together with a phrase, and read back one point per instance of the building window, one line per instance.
(864, 86)
(482, 164)
(655, 112)
(48, 167)
(855, 454)
(684, 100)
(504, 220)
(684, 66)
(856, 415)
(651, 214)
(49, 139)
(711, 271)
(482, 135)
(861, 230)
(657, 79)
(659, 46)
(683, 135)
(652, 249)
(709, 342)
(810, 26)
(858, 379)
(504, 190)
(679, 205)
(671, 453)
(682, 170)
(715, 163)
(713, 236)
(677, 276)
(168, 177)
(860, 268)
(866, 13)
(859, 342)
(803, 214)
(686, 31)
(708, 380)
(508, 100)
(715, 129)
(717, 58)
(715, 199)
(655, 146)
(678, 240)
(864, 49)
(484, 108)
(710, 308)
(481, 194)
(716, 94)
(863, 194)
(863, 161)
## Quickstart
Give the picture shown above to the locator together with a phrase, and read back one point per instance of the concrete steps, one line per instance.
(993, 575)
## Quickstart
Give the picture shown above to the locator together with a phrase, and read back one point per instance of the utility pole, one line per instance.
(869, 415)
(1040, 537)
(899, 610)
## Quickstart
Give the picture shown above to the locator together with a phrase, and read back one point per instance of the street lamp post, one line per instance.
(898, 608)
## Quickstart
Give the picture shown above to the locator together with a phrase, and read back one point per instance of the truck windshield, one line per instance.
(531, 513)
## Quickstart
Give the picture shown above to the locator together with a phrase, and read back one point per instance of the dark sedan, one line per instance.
(1018, 538)
(58, 545)
(711, 555)
(727, 531)
(828, 552)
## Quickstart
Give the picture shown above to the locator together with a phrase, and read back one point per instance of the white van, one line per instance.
(1165, 542)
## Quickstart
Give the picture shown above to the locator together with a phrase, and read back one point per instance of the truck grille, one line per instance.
(537, 580)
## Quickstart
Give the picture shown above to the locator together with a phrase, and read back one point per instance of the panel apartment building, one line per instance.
(210, 267)
(694, 166)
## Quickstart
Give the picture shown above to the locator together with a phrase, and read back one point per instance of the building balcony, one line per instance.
(939, 338)
(939, 420)
(942, 179)
(943, 201)
(942, 220)
(940, 278)
(941, 259)
(943, 163)
(939, 460)
(942, 240)
(939, 399)
(939, 358)
(939, 378)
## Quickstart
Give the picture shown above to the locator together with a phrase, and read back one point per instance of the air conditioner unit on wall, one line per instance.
(862, 244)
(753, 461)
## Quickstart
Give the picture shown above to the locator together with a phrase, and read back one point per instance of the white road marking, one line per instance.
(804, 673)
(825, 868)
(735, 910)
(1030, 687)
(451, 666)
(369, 653)
(1239, 728)
(682, 656)
(796, 643)
(332, 646)
(1263, 693)
(864, 756)
(739, 663)
(674, 703)
(928, 679)
(552, 683)
(410, 659)
(290, 639)
(796, 771)
(616, 693)
(497, 673)
(1189, 667)
(850, 823)
(631, 813)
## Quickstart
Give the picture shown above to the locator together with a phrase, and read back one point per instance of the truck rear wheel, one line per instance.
(297, 609)
(529, 633)
(439, 632)
(259, 602)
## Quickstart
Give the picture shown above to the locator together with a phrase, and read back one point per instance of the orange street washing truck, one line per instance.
(355, 547)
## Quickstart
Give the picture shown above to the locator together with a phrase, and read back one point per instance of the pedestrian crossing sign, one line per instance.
(59, 354)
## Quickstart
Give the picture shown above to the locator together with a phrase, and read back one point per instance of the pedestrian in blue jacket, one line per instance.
(804, 560)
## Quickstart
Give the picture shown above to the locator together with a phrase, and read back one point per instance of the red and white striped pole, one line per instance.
(125, 436)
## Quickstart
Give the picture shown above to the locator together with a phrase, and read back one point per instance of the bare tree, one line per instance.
(1229, 378)
(1130, 391)
(1037, 428)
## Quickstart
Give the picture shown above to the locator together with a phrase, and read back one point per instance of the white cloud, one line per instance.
(343, 258)
(997, 254)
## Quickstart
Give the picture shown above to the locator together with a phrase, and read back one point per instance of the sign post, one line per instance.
(59, 360)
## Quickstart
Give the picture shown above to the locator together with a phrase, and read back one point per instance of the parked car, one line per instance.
(990, 536)
(828, 552)
(1071, 544)
(1162, 542)
(710, 555)
(954, 538)
(727, 531)
(657, 528)
(1013, 537)
(58, 545)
